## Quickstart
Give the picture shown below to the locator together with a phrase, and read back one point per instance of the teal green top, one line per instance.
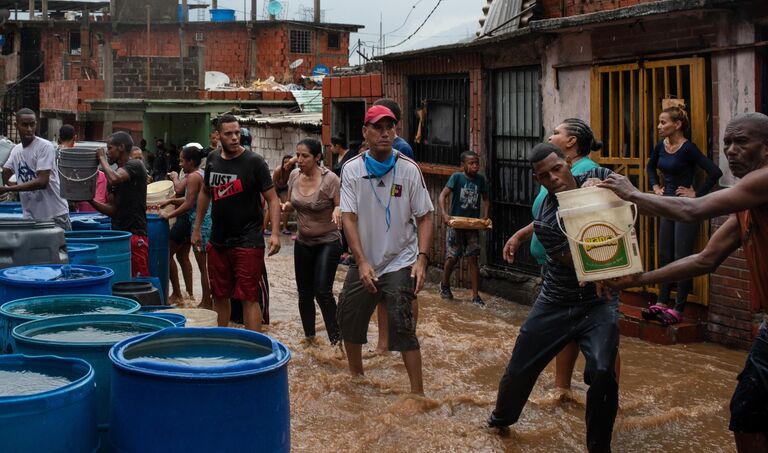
(583, 165)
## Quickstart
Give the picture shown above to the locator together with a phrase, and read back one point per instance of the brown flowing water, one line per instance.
(672, 398)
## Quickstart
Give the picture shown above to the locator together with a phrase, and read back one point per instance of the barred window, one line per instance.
(334, 40)
(301, 41)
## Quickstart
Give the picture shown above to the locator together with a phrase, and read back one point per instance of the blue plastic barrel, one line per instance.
(44, 279)
(114, 249)
(61, 419)
(10, 207)
(225, 374)
(87, 337)
(222, 15)
(159, 236)
(177, 319)
(83, 253)
(90, 221)
(20, 311)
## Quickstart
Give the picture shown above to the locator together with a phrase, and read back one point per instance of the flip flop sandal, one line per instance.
(652, 313)
(669, 316)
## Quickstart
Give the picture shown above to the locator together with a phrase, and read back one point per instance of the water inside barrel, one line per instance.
(95, 333)
(204, 354)
(63, 309)
(24, 382)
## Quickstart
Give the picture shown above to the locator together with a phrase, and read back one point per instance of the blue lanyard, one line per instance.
(387, 211)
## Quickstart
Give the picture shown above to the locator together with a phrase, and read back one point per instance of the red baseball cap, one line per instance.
(376, 113)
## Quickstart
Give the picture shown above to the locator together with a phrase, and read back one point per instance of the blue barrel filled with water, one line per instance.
(83, 253)
(47, 404)
(159, 233)
(114, 249)
(87, 337)
(216, 373)
(20, 311)
(90, 221)
(11, 207)
(177, 319)
(44, 279)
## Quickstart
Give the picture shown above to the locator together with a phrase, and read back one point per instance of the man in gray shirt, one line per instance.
(387, 217)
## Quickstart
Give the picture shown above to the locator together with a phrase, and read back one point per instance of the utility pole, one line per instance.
(381, 32)
(252, 44)
(317, 11)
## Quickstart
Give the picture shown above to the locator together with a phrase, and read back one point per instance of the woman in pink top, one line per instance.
(313, 192)
(101, 195)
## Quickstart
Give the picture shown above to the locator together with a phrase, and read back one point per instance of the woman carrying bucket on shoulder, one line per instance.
(677, 158)
(190, 162)
(576, 139)
(314, 193)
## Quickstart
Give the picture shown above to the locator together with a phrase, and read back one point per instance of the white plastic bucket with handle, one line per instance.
(601, 233)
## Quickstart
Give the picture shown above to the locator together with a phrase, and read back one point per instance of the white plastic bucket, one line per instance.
(601, 233)
(158, 192)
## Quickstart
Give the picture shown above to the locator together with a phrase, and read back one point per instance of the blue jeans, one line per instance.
(548, 328)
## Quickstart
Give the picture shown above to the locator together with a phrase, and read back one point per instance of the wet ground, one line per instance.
(672, 398)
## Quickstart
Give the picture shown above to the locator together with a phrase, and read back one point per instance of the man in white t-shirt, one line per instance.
(387, 217)
(33, 162)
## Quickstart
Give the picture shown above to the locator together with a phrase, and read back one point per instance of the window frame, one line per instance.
(299, 38)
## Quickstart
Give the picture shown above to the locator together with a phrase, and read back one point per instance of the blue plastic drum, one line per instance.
(47, 404)
(159, 236)
(114, 249)
(20, 311)
(87, 337)
(42, 280)
(83, 254)
(215, 373)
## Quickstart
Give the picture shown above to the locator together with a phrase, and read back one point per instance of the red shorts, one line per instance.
(139, 256)
(235, 272)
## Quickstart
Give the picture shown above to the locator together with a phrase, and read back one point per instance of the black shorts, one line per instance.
(181, 231)
(356, 306)
(749, 404)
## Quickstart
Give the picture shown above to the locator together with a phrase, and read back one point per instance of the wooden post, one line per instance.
(31, 9)
(317, 11)
(45, 10)
(149, 53)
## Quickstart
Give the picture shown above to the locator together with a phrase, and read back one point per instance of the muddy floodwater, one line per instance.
(672, 398)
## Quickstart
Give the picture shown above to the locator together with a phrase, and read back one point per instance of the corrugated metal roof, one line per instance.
(498, 20)
(306, 120)
(309, 100)
(55, 5)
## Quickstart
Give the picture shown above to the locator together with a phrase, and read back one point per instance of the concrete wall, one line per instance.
(570, 98)
(275, 142)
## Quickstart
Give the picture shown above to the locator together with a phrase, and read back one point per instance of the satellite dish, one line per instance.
(296, 63)
(274, 8)
(215, 79)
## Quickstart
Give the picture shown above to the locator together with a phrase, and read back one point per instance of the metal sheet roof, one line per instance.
(309, 100)
(306, 120)
(501, 17)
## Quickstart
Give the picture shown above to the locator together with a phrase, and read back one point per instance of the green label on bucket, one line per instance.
(606, 254)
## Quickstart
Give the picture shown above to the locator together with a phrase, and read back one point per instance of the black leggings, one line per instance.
(676, 241)
(315, 267)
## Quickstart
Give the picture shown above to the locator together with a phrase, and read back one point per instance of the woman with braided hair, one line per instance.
(576, 139)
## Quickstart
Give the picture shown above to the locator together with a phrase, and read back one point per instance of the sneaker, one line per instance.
(445, 292)
(267, 232)
(478, 300)
(286, 231)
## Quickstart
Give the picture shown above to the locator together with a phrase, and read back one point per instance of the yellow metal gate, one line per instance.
(625, 105)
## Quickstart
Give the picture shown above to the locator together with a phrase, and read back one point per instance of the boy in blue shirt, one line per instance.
(466, 189)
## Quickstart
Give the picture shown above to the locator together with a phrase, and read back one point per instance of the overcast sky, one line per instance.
(452, 21)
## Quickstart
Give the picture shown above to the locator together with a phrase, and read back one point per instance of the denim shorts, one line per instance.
(356, 306)
(749, 404)
(460, 243)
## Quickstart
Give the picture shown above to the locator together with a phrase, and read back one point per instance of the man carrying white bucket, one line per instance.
(565, 311)
(745, 144)
(127, 199)
(33, 161)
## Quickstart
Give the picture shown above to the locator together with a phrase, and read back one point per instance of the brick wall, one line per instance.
(554, 8)
(367, 87)
(70, 95)
(130, 77)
